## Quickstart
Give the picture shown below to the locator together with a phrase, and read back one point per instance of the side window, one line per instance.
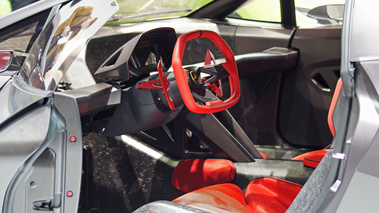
(270, 11)
(18, 39)
(260, 10)
(20, 36)
(325, 12)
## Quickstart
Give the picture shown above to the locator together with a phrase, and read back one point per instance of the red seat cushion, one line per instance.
(312, 159)
(192, 174)
(267, 194)
(216, 198)
(271, 194)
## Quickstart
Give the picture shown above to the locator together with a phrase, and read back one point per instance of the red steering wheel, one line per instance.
(204, 104)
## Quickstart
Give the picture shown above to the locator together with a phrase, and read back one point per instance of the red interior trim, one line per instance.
(333, 106)
(165, 84)
(264, 156)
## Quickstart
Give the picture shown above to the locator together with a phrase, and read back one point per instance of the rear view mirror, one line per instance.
(5, 59)
(328, 12)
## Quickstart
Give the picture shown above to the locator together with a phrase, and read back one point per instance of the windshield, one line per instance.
(133, 11)
(62, 39)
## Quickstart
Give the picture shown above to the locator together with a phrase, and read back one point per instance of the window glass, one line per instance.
(270, 11)
(18, 39)
(304, 19)
(20, 36)
(133, 11)
(260, 10)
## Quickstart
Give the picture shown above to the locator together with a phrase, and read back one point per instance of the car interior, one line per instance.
(205, 112)
(287, 80)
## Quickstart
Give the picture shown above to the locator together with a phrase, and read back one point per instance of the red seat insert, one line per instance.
(192, 174)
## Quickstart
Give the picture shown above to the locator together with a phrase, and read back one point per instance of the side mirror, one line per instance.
(328, 12)
(6, 57)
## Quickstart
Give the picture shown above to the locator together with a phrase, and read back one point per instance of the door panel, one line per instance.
(41, 150)
(260, 78)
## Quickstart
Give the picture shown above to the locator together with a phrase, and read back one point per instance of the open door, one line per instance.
(40, 128)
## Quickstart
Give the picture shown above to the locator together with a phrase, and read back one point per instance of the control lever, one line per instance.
(164, 82)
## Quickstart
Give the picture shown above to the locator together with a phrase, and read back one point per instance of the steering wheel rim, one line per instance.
(181, 75)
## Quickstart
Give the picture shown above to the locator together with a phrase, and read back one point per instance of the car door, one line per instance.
(40, 128)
